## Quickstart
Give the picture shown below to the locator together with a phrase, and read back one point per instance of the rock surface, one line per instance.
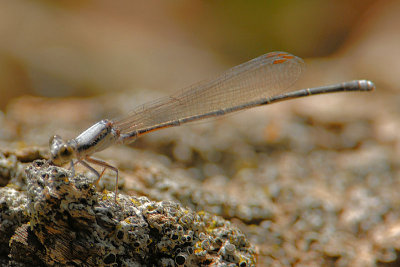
(65, 221)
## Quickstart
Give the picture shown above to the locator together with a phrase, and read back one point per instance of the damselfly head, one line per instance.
(61, 152)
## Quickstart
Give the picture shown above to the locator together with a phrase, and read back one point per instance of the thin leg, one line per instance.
(84, 163)
(106, 166)
(101, 175)
(71, 167)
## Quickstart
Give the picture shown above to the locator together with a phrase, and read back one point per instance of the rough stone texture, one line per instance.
(13, 206)
(70, 223)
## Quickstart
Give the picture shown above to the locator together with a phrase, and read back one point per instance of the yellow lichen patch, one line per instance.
(135, 202)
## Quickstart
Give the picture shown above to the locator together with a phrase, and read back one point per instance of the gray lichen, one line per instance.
(70, 223)
(13, 206)
(12, 171)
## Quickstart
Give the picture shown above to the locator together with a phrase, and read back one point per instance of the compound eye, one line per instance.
(65, 151)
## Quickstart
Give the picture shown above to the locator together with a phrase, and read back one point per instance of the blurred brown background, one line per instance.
(81, 48)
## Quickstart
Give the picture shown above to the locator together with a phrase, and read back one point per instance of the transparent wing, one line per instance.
(241, 87)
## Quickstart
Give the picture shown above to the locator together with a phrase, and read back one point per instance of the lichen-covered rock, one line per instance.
(161, 183)
(12, 171)
(73, 224)
(12, 214)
